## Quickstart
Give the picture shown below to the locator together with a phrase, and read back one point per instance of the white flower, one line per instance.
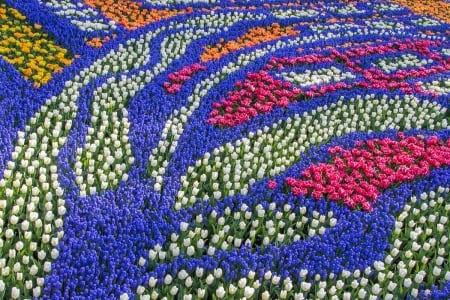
(248, 291)
(418, 278)
(275, 279)
(47, 267)
(232, 289)
(436, 271)
(242, 282)
(376, 289)
(152, 282)
(37, 291)
(392, 286)
(211, 251)
(220, 292)
(15, 293)
(174, 290)
(305, 286)
(124, 297)
(167, 279)
(209, 279)
(447, 276)
(218, 272)
(407, 282)
(152, 254)
(201, 292)
(265, 295)
(303, 273)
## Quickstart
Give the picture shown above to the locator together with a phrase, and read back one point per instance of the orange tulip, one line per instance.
(252, 37)
(437, 8)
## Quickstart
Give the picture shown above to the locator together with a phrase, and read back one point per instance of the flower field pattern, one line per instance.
(224, 149)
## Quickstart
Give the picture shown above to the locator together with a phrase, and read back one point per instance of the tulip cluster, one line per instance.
(177, 78)
(295, 13)
(345, 10)
(440, 87)
(32, 204)
(251, 227)
(389, 65)
(317, 77)
(358, 176)
(106, 157)
(426, 21)
(387, 7)
(160, 158)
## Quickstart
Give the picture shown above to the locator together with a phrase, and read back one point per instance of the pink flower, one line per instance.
(272, 184)
(352, 178)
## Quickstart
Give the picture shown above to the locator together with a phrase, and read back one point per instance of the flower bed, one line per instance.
(219, 149)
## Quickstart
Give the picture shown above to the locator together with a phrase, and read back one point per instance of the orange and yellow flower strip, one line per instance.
(252, 37)
(32, 52)
(436, 8)
(131, 14)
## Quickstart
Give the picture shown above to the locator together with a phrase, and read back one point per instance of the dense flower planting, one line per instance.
(224, 149)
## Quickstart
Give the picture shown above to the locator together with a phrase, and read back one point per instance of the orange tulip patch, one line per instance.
(131, 14)
(436, 8)
(98, 42)
(252, 37)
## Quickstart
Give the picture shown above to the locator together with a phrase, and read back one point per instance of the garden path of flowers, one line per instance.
(224, 149)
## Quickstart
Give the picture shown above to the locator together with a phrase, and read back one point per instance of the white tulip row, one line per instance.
(385, 6)
(346, 10)
(279, 225)
(106, 157)
(168, 2)
(392, 64)
(317, 77)
(427, 21)
(85, 18)
(294, 13)
(442, 87)
(384, 24)
(336, 26)
(216, 19)
(30, 193)
(270, 151)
